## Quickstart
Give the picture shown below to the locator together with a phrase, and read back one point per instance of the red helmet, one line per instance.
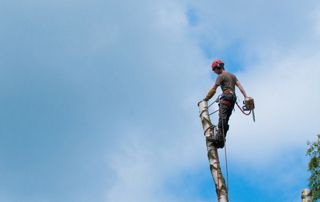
(217, 63)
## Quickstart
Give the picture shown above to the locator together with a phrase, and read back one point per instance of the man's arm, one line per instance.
(238, 84)
(211, 93)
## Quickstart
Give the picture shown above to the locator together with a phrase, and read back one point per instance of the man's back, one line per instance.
(227, 81)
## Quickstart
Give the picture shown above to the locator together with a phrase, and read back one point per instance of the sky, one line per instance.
(98, 99)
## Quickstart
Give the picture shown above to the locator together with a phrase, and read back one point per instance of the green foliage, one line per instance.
(314, 167)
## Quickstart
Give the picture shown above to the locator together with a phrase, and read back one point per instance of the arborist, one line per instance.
(227, 81)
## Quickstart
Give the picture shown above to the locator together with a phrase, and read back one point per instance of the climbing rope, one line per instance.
(218, 186)
(225, 154)
(213, 112)
(216, 101)
(227, 170)
(243, 110)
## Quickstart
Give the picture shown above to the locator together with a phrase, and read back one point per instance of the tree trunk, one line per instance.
(209, 131)
(306, 195)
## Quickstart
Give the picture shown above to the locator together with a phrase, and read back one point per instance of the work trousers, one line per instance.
(226, 105)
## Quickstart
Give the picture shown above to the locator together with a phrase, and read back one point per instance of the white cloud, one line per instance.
(144, 164)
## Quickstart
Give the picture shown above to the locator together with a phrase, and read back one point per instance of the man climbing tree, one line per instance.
(314, 167)
(227, 82)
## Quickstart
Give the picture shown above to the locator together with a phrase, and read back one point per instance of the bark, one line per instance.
(306, 195)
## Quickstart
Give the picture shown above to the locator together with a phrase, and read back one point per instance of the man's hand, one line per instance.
(211, 93)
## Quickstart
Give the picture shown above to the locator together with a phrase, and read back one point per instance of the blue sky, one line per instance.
(98, 98)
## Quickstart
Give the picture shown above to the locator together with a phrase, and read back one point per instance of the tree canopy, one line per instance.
(314, 167)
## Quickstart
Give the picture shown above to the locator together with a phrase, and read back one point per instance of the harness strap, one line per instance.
(226, 102)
